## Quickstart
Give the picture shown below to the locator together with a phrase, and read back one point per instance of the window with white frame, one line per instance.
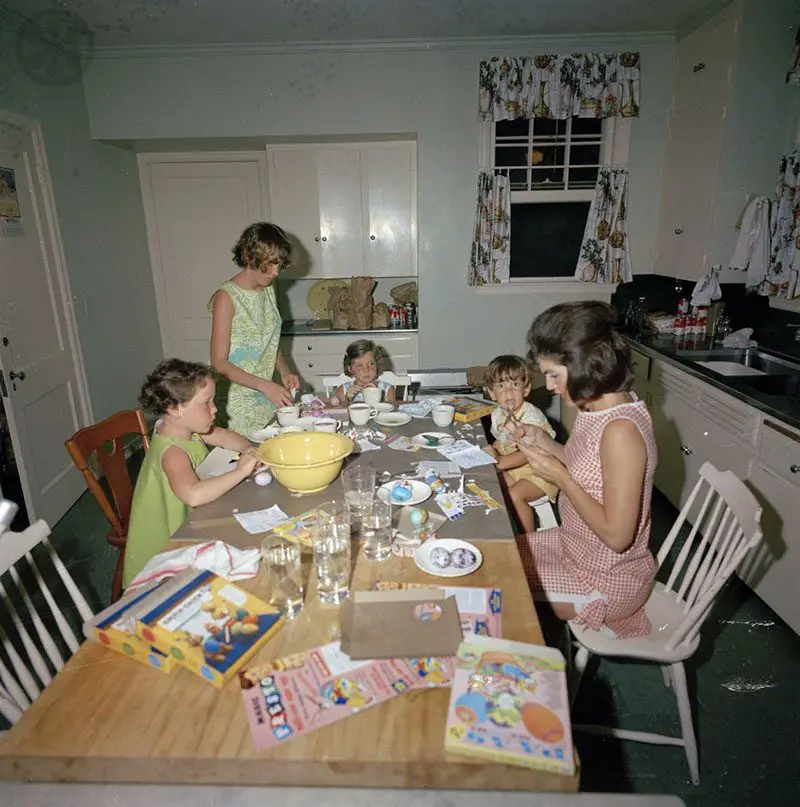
(552, 166)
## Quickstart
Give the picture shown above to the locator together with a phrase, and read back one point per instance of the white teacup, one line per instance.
(443, 415)
(360, 413)
(371, 395)
(288, 415)
(326, 425)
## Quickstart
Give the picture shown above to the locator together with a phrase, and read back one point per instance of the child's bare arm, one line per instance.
(506, 462)
(193, 491)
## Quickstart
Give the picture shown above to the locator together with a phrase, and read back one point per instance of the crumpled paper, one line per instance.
(214, 556)
(740, 339)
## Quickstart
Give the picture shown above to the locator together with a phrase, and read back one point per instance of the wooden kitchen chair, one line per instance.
(33, 620)
(726, 521)
(102, 445)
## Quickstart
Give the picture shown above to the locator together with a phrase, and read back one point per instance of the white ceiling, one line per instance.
(194, 22)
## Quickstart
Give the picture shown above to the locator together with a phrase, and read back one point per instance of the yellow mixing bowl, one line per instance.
(306, 462)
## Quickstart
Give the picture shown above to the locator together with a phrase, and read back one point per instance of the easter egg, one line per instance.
(463, 558)
(262, 479)
(401, 492)
(440, 557)
(418, 517)
(542, 723)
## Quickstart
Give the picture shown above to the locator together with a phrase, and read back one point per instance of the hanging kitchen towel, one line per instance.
(752, 248)
(707, 289)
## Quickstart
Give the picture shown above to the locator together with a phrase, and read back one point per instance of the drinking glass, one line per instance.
(283, 570)
(376, 531)
(332, 551)
(358, 483)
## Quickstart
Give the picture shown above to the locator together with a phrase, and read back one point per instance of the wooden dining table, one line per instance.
(105, 718)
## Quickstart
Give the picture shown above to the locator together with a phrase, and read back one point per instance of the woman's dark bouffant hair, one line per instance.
(260, 244)
(581, 336)
(172, 383)
(359, 348)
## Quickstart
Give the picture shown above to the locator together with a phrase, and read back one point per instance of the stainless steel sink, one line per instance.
(753, 362)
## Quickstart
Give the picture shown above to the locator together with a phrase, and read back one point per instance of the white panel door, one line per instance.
(390, 178)
(340, 211)
(44, 388)
(294, 204)
(195, 212)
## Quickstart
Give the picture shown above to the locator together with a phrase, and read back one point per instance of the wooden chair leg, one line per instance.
(116, 585)
(678, 675)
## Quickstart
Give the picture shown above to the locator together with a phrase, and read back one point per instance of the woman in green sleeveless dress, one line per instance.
(246, 328)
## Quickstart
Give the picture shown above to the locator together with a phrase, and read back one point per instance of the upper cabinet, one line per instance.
(350, 209)
(692, 160)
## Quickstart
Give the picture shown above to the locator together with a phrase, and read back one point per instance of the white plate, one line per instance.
(419, 492)
(218, 462)
(383, 406)
(392, 418)
(264, 434)
(444, 440)
(434, 546)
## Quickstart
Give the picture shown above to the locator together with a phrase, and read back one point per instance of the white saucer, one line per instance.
(432, 547)
(392, 418)
(420, 492)
(444, 440)
(383, 406)
(264, 434)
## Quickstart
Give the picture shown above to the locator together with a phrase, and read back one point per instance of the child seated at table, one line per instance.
(181, 395)
(362, 361)
(509, 379)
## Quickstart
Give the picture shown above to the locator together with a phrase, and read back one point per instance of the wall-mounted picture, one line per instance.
(9, 204)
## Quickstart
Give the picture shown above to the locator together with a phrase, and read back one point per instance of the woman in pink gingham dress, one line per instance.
(595, 569)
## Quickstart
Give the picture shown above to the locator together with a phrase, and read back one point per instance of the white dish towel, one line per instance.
(752, 248)
(707, 289)
(215, 556)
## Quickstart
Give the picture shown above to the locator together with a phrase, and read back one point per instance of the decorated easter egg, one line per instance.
(463, 558)
(471, 708)
(542, 723)
(418, 517)
(262, 478)
(440, 557)
(401, 492)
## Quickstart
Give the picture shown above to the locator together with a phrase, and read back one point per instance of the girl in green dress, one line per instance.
(181, 395)
(246, 327)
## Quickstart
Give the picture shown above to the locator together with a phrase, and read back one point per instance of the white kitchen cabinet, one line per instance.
(694, 146)
(350, 209)
(640, 365)
(316, 357)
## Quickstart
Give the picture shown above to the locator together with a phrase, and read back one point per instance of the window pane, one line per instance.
(510, 155)
(583, 155)
(548, 129)
(587, 126)
(519, 179)
(546, 238)
(548, 165)
(512, 128)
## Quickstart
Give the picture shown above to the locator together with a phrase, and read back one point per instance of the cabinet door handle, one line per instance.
(316, 238)
(678, 231)
(372, 238)
(795, 469)
(686, 450)
(698, 67)
(308, 347)
(311, 366)
(20, 376)
(324, 237)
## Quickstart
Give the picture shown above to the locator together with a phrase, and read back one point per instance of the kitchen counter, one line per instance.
(784, 409)
(302, 327)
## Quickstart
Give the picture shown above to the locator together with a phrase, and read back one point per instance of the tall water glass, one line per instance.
(376, 531)
(283, 571)
(332, 552)
(358, 482)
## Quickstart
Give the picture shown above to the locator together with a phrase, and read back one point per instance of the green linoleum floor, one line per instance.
(742, 677)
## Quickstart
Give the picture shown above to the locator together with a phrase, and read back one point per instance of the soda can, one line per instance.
(683, 306)
(409, 310)
(401, 317)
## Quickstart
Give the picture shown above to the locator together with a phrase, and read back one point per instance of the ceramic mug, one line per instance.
(371, 395)
(443, 415)
(288, 415)
(360, 413)
(325, 425)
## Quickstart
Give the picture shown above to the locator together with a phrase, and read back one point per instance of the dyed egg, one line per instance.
(542, 723)
(418, 517)
(262, 479)
(401, 492)
(463, 558)
(440, 557)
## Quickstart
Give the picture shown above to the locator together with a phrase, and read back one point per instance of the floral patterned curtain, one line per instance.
(490, 261)
(584, 85)
(604, 256)
(784, 257)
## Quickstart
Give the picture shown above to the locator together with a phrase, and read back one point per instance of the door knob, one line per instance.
(20, 376)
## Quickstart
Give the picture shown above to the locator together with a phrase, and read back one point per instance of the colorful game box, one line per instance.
(470, 409)
(289, 697)
(208, 625)
(109, 629)
(509, 703)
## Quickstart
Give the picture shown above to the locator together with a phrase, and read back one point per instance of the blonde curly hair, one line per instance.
(261, 244)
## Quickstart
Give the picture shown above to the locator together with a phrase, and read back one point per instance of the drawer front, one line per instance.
(640, 364)
(779, 448)
(726, 412)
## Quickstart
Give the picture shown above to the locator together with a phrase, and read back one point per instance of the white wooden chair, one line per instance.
(726, 526)
(20, 578)
(544, 513)
(331, 383)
